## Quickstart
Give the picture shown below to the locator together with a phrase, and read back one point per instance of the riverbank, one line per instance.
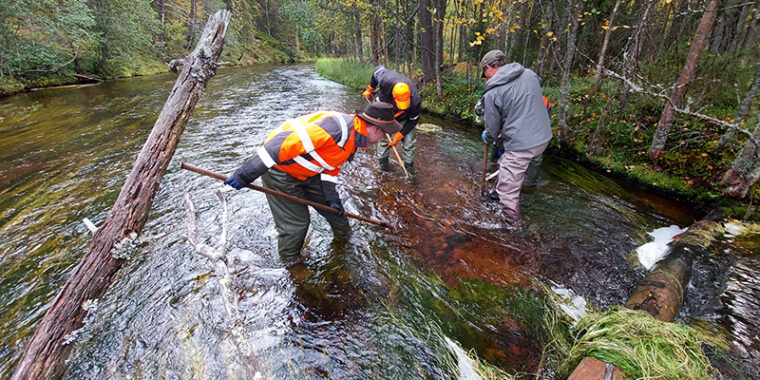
(690, 168)
(264, 50)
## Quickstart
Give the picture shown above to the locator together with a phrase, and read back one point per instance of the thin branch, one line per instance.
(735, 126)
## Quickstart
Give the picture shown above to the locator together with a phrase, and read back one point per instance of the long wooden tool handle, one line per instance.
(219, 176)
(400, 161)
(485, 167)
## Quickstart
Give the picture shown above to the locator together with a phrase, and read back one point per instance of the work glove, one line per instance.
(368, 93)
(231, 181)
(483, 136)
(336, 204)
(396, 138)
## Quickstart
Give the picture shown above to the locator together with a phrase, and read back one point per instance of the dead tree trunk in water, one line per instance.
(45, 353)
(661, 292)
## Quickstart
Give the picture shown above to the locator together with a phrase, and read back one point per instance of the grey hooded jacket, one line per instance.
(514, 107)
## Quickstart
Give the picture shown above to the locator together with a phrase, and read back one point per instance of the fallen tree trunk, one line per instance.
(661, 292)
(44, 355)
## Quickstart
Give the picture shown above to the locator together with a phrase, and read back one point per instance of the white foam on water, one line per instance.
(574, 305)
(654, 251)
(732, 230)
(466, 367)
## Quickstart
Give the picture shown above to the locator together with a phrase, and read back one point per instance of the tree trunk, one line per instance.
(629, 67)
(46, 351)
(374, 34)
(438, 58)
(575, 9)
(190, 25)
(274, 17)
(440, 16)
(679, 91)
(162, 17)
(742, 112)
(745, 170)
(384, 39)
(427, 42)
(674, 35)
(741, 26)
(359, 48)
(600, 62)
(543, 45)
(725, 28)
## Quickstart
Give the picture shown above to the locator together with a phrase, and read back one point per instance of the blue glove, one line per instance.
(231, 181)
(483, 136)
(337, 205)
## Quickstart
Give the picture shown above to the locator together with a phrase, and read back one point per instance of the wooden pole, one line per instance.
(485, 167)
(46, 351)
(219, 176)
(400, 161)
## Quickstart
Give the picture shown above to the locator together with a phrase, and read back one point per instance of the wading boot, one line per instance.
(384, 164)
(409, 167)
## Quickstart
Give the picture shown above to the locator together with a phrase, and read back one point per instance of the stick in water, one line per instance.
(485, 168)
(302, 201)
(400, 162)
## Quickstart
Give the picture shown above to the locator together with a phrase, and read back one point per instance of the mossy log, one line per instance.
(46, 351)
(661, 292)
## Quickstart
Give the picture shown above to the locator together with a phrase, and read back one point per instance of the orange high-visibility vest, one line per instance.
(317, 143)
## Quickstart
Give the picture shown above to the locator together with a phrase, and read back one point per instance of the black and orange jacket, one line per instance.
(317, 143)
(383, 81)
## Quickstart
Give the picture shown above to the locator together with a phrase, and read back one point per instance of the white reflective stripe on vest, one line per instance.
(300, 129)
(265, 157)
(321, 161)
(328, 178)
(308, 145)
(343, 130)
(308, 165)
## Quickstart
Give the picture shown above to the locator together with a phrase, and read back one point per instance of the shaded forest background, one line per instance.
(662, 91)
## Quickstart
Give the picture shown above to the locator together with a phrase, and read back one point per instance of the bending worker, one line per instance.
(398, 90)
(302, 158)
(514, 110)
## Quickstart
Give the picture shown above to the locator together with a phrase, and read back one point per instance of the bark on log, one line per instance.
(45, 353)
(661, 292)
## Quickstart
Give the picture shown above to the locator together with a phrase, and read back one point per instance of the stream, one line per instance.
(401, 305)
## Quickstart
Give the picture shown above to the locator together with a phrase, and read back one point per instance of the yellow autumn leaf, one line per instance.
(549, 33)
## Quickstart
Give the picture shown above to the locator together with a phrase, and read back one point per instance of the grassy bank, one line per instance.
(691, 169)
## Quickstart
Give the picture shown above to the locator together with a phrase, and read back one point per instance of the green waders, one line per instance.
(407, 154)
(292, 219)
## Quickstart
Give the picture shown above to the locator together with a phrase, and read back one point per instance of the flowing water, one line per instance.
(406, 304)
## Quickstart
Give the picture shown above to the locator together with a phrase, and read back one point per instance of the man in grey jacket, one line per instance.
(514, 111)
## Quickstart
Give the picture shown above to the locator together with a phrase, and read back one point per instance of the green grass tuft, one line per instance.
(643, 347)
